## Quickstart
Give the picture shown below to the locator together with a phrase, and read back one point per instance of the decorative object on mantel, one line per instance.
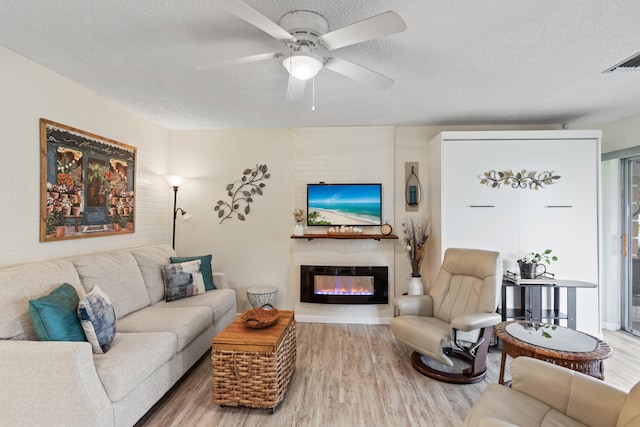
(523, 179)
(386, 229)
(415, 233)
(344, 230)
(412, 187)
(242, 195)
(298, 214)
(530, 262)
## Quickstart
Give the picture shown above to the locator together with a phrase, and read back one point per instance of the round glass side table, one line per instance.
(554, 344)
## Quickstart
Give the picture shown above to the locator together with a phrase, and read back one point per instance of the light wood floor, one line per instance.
(357, 375)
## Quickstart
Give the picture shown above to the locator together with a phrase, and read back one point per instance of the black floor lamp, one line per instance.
(175, 181)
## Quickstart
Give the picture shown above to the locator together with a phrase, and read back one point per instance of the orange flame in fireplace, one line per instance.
(343, 285)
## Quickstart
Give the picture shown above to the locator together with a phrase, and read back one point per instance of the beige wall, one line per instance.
(621, 134)
(252, 252)
(29, 92)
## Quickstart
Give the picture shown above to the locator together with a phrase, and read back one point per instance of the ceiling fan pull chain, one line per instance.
(313, 94)
(289, 88)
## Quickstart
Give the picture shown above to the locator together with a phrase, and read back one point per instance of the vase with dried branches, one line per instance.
(415, 232)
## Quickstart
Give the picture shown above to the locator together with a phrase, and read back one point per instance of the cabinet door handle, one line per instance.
(558, 206)
(482, 206)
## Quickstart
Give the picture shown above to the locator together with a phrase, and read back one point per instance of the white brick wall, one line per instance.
(29, 92)
(343, 155)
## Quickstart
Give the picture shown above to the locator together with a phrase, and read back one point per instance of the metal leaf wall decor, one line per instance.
(242, 193)
(523, 179)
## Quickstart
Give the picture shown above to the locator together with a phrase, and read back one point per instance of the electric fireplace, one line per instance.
(326, 284)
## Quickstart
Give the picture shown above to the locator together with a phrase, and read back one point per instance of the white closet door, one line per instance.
(562, 216)
(475, 215)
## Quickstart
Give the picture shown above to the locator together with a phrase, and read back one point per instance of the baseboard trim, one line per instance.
(307, 318)
(611, 326)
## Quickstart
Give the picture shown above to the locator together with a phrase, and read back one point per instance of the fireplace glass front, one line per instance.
(343, 285)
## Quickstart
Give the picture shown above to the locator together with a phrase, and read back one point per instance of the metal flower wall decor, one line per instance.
(533, 180)
(242, 192)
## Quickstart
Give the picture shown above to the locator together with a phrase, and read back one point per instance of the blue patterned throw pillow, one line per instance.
(98, 319)
(205, 268)
(182, 280)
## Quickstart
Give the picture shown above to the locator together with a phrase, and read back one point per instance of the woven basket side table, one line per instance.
(587, 362)
(253, 367)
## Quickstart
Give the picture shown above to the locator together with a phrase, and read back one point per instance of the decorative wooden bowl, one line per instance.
(258, 318)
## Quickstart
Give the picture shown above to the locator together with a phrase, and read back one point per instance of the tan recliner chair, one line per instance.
(455, 319)
(549, 395)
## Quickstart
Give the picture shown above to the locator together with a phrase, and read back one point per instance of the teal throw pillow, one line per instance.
(205, 268)
(54, 316)
(182, 280)
(98, 319)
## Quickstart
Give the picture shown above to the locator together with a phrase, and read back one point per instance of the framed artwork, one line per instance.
(87, 186)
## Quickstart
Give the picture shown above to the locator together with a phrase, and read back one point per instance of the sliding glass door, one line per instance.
(631, 267)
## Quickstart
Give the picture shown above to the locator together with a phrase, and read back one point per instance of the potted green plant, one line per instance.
(55, 224)
(530, 262)
(130, 223)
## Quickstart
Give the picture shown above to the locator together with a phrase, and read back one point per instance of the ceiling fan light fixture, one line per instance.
(303, 65)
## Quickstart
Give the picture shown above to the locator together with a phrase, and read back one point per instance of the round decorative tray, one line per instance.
(258, 318)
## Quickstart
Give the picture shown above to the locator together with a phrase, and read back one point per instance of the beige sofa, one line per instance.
(543, 394)
(65, 383)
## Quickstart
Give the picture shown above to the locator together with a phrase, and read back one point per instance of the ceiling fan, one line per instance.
(309, 42)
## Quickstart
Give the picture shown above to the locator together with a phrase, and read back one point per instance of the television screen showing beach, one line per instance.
(344, 204)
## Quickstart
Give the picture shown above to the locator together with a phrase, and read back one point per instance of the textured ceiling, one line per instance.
(458, 62)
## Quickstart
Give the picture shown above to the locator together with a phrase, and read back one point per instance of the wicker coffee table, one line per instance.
(554, 344)
(253, 367)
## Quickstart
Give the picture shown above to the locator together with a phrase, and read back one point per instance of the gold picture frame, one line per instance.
(87, 184)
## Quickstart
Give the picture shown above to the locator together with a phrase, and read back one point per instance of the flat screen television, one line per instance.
(344, 204)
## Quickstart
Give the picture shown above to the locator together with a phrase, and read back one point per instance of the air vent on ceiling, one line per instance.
(631, 63)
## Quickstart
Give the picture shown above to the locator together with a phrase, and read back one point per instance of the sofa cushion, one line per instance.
(506, 405)
(205, 268)
(150, 259)
(118, 275)
(182, 280)
(219, 301)
(132, 358)
(185, 323)
(98, 319)
(55, 316)
(20, 284)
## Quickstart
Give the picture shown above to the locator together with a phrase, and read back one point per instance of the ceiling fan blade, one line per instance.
(242, 60)
(296, 89)
(359, 74)
(255, 18)
(375, 27)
